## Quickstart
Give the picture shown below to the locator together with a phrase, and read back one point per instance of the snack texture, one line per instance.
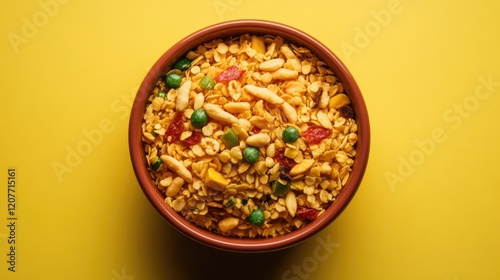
(255, 140)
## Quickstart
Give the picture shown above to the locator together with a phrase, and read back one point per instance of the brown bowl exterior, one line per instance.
(224, 30)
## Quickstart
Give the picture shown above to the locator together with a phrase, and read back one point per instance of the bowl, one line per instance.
(224, 30)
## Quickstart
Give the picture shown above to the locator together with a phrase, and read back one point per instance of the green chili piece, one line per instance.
(207, 83)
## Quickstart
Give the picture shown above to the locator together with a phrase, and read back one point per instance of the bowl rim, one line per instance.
(224, 30)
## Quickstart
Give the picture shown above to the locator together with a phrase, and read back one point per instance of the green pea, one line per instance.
(290, 134)
(157, 164)
(256, 217)
(173, 80)
(162, 94)
(251, 154)
(199, 118)
(182, 64)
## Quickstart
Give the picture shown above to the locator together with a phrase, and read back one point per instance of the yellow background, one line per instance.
(428, 207)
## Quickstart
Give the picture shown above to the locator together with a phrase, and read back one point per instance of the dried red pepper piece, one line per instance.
(306, 213)
(315, 133)
(194, 139)
(175, 128)
(283, 160)
(231, 73)
(255, 130)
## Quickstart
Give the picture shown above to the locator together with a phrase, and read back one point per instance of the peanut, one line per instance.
(271, 65)
(182, 100)
(198, 101)
(174, 187)
(301, 167)
(228, 224)
(291, 203)
(258, 140)
(285, 74)
(339, 100)
(237, 107)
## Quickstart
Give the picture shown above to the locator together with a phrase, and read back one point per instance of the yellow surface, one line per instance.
(428, 207)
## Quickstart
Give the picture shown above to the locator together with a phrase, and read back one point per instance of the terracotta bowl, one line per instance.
(235, 28)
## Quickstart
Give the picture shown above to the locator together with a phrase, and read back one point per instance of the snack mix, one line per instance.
(250, 136)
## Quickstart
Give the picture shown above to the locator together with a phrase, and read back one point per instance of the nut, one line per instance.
(339, 100)
(227, 224)
(182, 100)
(271, 65)
(302, 167)
(282, 84)
(291, 203)
(285, 74)
(174, 187)
(237, 107)
(258, 140)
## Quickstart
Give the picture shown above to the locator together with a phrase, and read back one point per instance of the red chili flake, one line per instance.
(282, 160)
(315, 133)
(255, 130)
(231, 73)
(194, 139)
(175, 128)
(306, 213)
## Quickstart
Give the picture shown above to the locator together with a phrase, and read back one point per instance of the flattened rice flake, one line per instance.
(264, 84)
